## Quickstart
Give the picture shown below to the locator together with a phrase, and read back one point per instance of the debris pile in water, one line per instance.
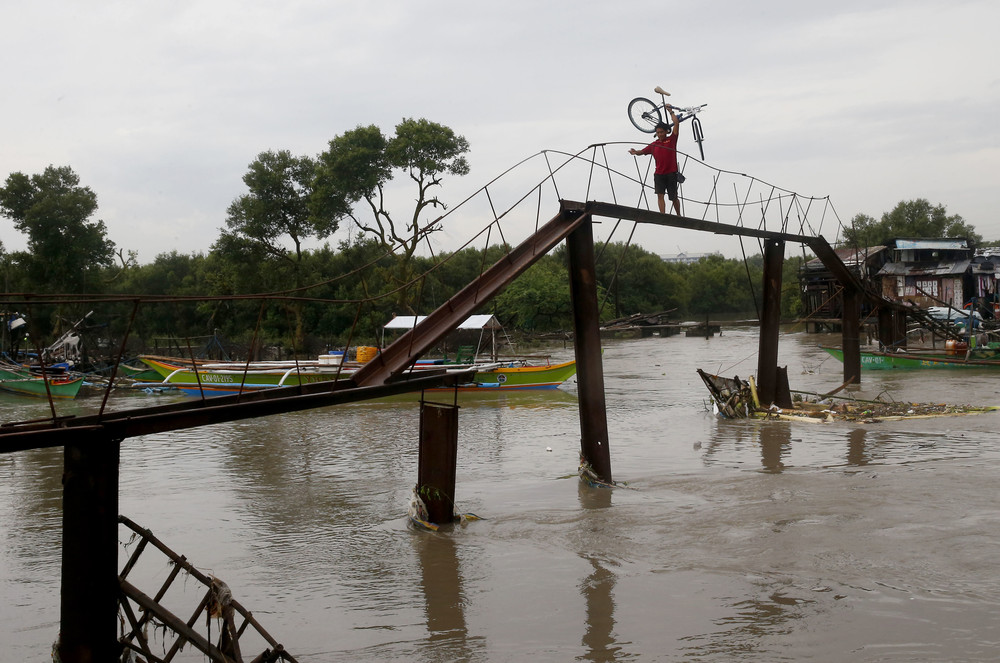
(734, 398)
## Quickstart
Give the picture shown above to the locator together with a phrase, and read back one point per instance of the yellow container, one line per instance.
(366, 353)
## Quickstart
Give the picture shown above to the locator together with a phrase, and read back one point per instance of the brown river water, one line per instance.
(732, 541)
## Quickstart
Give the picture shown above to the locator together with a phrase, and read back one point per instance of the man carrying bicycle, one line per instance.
(664, 151)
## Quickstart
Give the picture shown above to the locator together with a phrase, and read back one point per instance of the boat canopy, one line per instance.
(472, 322)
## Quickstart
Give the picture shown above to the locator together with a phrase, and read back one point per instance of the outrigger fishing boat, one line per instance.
(873, 360)
(25, 380)
(215, 379)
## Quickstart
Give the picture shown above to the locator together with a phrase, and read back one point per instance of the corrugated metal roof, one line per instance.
(931, 243)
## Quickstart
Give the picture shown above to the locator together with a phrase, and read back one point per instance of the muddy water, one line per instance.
(733, 540)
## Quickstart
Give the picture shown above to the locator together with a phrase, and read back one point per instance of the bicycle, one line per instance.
(645, 115)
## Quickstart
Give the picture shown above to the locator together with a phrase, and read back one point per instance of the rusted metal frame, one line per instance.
(594, 442)
(183, 636)
(33, 336)
(118, 360)
(350, 334)
(411, 345)
(783, 213)
(642, 180)
(181, 563)
(607, 169)
(137, 626)
(590, 174)
(194, 368)
(804, 219)
(618, 266)
(739, 207)
(134, 558)
(184, 631)
(178, 416)
(250, 352)
(496, 219)
(552, 175)
(278, 650)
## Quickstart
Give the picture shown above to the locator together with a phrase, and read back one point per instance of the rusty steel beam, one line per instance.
(610, 210)
(414, 343)
(145, 421)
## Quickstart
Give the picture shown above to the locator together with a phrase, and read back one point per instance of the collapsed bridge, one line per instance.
(91, 588)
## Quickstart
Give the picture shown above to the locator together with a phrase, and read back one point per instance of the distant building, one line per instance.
(934, 272)
(921, 272)
(687, 257)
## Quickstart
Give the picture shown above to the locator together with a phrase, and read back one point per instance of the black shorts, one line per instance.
(666, 183)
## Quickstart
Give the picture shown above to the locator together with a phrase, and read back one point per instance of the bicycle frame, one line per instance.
(645, 115)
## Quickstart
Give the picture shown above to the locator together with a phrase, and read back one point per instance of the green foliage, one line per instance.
(539, 299)
(637, 281)
(358, 165)
(721, 285)
(277, 206)
(909, 218)
(65, 248)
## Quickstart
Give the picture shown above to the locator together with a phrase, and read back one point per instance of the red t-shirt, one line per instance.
(664, 154)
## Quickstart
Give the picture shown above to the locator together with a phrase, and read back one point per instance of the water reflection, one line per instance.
(597, 588)
(775, 443)
(598, 593)
(857, 454)
(753, 622)
(444, 597)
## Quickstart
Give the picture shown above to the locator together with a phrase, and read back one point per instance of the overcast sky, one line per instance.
(160, 107)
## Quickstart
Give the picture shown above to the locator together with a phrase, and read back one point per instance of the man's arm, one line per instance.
(677, 124)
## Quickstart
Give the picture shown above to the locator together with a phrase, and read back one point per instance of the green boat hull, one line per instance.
(22, 381)
(875, 361)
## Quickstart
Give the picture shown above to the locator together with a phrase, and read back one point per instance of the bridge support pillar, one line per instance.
(770, 319)
(438, 460)
(589, 369)
(89, 595)
(850, 335)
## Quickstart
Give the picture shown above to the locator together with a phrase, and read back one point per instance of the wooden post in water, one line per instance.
(850, 335)
(899, 322)
(770, 320)
(88, 629)
(438, 460)
(589, 369)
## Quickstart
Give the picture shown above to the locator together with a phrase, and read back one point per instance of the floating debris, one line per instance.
(733, 398)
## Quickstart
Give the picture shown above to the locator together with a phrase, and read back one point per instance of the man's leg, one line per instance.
(661, 202)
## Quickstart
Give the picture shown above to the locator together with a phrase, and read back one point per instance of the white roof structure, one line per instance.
(485, 321)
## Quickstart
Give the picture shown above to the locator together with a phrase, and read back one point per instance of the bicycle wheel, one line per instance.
(645, 115)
